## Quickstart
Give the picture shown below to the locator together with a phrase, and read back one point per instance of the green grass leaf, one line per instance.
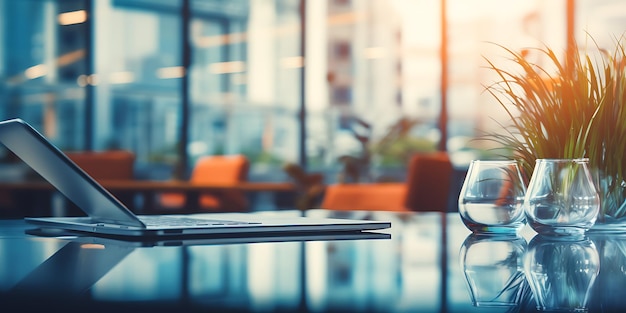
(565, 109)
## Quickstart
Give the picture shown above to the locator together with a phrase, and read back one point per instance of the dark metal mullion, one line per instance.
(89, 70)
(302, 113)
(443, 115)
(183, 167)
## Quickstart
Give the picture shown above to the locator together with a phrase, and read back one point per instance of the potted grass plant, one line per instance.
(572, 108)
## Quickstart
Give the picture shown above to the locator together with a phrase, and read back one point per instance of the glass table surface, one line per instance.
(430, 263)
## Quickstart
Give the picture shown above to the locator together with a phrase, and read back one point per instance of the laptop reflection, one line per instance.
(70, 272)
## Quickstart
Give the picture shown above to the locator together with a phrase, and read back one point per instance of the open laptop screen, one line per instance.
(54, 166)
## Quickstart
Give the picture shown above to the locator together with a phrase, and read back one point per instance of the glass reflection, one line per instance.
(608, 289)
(493, 268)
(561, 272)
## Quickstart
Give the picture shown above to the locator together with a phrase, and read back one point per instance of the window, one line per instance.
(118, 80)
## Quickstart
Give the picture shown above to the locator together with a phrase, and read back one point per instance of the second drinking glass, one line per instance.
(561, 198)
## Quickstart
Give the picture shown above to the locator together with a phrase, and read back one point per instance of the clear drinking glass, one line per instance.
(492, 197)
(561, 197)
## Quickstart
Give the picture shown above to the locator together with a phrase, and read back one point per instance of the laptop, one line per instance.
(186, 241)
(106, 215)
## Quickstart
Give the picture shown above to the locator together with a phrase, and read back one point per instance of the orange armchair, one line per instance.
(216, 169)
(427, 188)
(105, 165)
(374, 196)
(428, 182)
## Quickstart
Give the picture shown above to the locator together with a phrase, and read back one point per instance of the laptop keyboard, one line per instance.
(187, 222)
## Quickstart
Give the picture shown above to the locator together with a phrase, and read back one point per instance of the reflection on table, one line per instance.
(421, 268)
(549, 273)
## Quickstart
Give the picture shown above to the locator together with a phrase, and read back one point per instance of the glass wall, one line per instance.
(233, 76)
(137, 81)
(39, 66)
(476, 31)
